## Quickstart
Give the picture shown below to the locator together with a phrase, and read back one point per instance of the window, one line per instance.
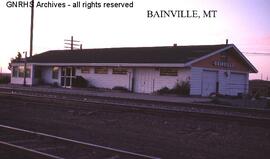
(120, 71)
(15, 71)
(28, 72)
(55, 72)
(21, 71)
(101, 70)
(168, 72)
(85, 70)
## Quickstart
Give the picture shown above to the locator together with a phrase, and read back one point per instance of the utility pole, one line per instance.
(72, 44)
(25, 63)
(32, 28)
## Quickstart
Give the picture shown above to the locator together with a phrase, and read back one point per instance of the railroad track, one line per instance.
(85, 106)
(69, 95)
(38, 145)
(171, 107)
(85, 103)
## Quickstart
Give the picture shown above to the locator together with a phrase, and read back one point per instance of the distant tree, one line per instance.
(9, 64)
(18, 57)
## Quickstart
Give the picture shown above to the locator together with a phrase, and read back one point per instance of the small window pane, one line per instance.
(62, 81)
(15, 71)
(73, 71)
(28, 73)
(68, 71)
(68, 80)
(55, 71)
(21, 71)
(63, 71)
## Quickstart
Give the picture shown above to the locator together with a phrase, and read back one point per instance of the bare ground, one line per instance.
(158, 134)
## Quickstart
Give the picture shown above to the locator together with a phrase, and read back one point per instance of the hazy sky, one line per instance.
(244, 22)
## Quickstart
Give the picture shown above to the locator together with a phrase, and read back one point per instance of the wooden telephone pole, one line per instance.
(25, 68)
(32, 28)
(72, 44)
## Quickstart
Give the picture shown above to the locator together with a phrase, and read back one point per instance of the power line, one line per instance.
(258, 53)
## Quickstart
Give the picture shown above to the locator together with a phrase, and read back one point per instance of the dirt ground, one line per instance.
(162, 135)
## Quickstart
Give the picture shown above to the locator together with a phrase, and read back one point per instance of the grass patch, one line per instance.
(182, 88)
(4, 79)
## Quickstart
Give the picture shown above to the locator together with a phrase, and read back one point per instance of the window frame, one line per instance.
(20, 72)
(85, 69)
(168, 72)
(101, 70)
(119, 71)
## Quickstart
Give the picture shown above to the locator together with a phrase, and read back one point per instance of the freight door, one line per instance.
(237, 83)
(209, 82)
(144, 80)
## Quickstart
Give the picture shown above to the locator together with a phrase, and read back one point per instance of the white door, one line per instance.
(237, 83)
(144, 80)
(209, 82)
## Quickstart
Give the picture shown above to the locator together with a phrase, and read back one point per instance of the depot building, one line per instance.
(209, 69)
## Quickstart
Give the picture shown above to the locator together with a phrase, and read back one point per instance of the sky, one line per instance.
(244, 22)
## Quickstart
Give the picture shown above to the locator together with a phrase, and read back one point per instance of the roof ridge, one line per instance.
(143, 47)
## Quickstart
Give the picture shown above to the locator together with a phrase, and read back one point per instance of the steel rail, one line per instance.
(74, 142)
(196, 105)
(146, 107)
(30, 151)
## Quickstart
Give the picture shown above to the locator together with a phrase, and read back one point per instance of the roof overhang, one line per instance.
(109, 64)
(188, 64)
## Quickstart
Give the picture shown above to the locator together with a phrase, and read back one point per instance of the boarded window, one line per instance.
(101, 70)
(85, 70)
(55, 72)
(120, 71)
(168, 72)
(15, 71)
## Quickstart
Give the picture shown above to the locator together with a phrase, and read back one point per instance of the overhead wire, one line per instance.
(258, 53)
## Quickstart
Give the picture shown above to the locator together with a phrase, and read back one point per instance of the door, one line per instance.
(209, 82)
(144, 80)
(237, 83)
(67, 76)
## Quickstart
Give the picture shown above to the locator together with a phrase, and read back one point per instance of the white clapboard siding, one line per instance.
(108, 80)
(196, 81)
(20, 80)
(238, 83)
(209, 82)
